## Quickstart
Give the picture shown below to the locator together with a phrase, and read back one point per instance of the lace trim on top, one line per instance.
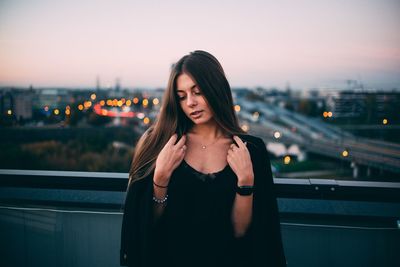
(200, 175)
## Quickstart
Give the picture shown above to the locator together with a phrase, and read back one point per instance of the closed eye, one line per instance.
(182, 97)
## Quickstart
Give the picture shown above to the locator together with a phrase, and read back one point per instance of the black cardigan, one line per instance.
(195, 228)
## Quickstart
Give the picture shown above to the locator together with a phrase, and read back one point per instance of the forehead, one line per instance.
(184, 83)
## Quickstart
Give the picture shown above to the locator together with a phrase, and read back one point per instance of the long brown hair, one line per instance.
(209, 75)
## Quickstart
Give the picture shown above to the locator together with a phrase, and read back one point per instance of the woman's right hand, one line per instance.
(169, 159)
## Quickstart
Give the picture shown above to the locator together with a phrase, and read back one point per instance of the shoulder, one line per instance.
(259, 156)
(253, 141)
(255, 145)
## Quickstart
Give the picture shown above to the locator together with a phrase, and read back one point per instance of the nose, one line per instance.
(190, 100)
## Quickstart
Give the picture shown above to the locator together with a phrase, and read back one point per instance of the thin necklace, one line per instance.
(216, 139)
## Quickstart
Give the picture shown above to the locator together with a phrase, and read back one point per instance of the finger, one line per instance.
(181, 157)
(172, 139)
(239, 142)
(181, 141)
(234, 145)
(183, 148)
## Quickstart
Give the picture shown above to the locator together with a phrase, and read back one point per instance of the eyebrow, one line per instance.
(182, 91)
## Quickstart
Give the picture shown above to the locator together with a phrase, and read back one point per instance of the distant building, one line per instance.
(6, 102)
(23, 105)
(52, 98)
(19, 102)
(370, 104)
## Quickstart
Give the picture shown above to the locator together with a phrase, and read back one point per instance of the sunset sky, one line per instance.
(259, 43)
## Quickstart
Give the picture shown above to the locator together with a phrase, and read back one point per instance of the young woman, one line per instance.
(200, 190)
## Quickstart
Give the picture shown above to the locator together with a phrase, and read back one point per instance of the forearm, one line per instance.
(242, 214)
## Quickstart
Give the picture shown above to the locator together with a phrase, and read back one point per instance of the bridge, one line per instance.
(313, 135)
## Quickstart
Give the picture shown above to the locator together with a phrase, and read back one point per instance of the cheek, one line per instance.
(204, 104)
(183, 107)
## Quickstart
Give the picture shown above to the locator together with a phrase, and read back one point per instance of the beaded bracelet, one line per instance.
(160, 201)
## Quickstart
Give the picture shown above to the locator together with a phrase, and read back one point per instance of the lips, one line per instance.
(196, 113)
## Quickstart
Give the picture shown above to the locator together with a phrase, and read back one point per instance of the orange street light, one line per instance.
(286, 160)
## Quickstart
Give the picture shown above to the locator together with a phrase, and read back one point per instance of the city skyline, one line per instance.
(259, 43)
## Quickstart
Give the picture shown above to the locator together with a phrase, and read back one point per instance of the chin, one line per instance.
(201, 121)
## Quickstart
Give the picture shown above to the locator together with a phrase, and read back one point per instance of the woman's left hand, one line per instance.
(239, 160)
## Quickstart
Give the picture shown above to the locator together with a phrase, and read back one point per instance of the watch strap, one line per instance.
(245, 190)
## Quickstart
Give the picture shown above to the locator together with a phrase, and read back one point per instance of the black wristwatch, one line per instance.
(245, 190)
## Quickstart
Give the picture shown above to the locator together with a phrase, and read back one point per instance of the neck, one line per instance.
(207, 131)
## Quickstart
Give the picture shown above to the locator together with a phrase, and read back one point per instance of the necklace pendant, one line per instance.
(203, 147)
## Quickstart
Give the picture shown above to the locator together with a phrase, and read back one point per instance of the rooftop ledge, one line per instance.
(60, 217)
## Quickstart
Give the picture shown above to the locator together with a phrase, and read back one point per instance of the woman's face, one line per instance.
(192, 101)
